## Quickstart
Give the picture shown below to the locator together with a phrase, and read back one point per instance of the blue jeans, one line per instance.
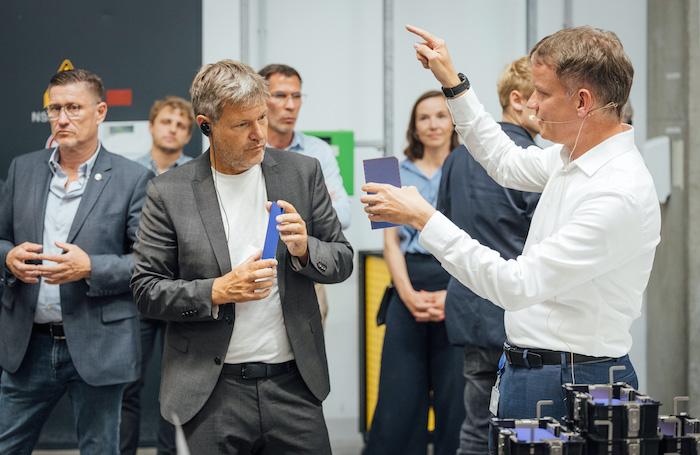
(521, 388)
(28, 396)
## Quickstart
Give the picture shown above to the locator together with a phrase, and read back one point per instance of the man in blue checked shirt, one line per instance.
(283, 107)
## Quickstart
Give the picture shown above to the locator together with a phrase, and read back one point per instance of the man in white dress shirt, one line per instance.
(573, 294)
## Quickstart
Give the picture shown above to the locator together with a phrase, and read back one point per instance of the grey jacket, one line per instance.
(181, 248)
(99, 315)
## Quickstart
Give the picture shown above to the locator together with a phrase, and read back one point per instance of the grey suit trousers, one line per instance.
(276, 415)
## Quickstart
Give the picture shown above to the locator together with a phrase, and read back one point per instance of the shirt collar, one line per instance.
(297, 142)
(599, 155)
(147, 161)
(182, 160)
(84, 170)
(411, 167)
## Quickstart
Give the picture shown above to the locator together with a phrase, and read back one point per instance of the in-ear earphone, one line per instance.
(206, 129)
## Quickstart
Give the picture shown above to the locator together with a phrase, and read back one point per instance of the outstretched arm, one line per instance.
(508, 164)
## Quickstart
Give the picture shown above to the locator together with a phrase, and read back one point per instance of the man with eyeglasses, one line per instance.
(283, 108)
(68, 321)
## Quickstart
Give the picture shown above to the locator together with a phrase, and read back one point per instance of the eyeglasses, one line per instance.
(73, 110)
(282, 97)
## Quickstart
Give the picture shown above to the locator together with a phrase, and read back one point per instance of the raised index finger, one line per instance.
(427, 36)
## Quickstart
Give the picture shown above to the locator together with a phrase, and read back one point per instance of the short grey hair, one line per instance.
(226, 82)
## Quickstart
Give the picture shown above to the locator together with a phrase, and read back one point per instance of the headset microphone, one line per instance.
(610, 105)
(535, 118)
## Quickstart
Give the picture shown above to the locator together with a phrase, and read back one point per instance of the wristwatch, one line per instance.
(457, 89)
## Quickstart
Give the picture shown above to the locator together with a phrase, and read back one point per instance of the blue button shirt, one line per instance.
(147, 162)
(319, 149)
(428, 187)
(498, 218)
(61, 206)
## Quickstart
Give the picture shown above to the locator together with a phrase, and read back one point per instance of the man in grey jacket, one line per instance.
(244, 364)
(68, 322)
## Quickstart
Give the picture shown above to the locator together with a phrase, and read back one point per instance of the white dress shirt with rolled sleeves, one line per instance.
(579, 283)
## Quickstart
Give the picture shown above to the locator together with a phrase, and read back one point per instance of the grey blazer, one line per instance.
(181, 248)
(99, 315)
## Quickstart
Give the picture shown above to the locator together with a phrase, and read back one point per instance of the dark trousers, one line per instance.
(419, 368)
(270, 416)
(152, 334)
(480, 371)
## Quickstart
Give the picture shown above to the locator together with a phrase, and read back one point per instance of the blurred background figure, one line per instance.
(283, 107)
(170, 124)
(419, 366)
(627, 113)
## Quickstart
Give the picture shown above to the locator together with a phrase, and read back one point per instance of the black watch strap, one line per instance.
(457, 89)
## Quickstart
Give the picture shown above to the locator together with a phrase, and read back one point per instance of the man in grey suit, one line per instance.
(68, 322)
(256, 385)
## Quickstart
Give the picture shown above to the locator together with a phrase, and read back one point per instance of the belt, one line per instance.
(55, 330)
(257, 370)
(536, 358)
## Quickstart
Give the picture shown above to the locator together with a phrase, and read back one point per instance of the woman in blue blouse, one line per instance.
(419, 367)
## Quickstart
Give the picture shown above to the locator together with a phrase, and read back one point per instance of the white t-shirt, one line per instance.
(259, 333)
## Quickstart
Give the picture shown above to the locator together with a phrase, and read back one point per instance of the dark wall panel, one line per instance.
(152, 47)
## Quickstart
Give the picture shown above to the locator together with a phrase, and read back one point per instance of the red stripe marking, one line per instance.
(119, 97)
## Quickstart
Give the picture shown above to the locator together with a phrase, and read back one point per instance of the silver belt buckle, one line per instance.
(55, 337)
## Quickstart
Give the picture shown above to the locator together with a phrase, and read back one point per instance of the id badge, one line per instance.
(495, 397)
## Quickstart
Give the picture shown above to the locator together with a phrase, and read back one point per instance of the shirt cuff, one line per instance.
(215, 311)
(438, 233)
(464, 108)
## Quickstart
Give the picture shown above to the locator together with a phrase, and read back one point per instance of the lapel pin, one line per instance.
(98, 176)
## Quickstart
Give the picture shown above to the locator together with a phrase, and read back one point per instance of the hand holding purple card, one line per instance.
(272, 235)
(382, 170)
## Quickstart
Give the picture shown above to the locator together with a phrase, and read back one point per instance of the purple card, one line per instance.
(382, 170)
(272, 236)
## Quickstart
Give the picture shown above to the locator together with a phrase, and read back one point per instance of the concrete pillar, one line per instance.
(673, 319)
(693, 184)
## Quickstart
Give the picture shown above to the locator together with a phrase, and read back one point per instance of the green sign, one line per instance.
(343, 144)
